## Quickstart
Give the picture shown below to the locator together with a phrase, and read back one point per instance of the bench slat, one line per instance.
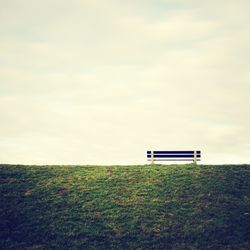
(174, 152)
(173, 156)
(173, 159)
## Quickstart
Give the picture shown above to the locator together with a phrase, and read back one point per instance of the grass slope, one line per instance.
(125, 207)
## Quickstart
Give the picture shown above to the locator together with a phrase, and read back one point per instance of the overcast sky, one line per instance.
(101, 82)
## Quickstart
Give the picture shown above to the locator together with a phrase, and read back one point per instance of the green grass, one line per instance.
(125, 207)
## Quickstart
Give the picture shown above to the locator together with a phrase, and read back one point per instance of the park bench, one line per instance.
(173, 156)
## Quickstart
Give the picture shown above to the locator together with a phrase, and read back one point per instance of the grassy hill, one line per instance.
(125, 207)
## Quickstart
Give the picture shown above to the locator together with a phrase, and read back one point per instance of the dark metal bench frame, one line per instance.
(194, 156)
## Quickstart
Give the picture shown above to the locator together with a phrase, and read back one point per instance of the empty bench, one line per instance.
(173, 156)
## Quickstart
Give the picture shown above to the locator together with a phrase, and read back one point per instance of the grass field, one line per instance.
(125, 207)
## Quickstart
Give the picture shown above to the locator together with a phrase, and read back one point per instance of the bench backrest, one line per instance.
(174, 156)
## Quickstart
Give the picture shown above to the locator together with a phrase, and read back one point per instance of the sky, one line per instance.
(102, 82)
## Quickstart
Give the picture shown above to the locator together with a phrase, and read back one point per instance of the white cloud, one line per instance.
(88, 82)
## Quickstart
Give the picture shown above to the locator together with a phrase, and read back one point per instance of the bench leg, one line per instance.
(195, 157)
(152, 157)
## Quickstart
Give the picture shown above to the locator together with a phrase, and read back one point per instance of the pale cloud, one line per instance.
(93, 82)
